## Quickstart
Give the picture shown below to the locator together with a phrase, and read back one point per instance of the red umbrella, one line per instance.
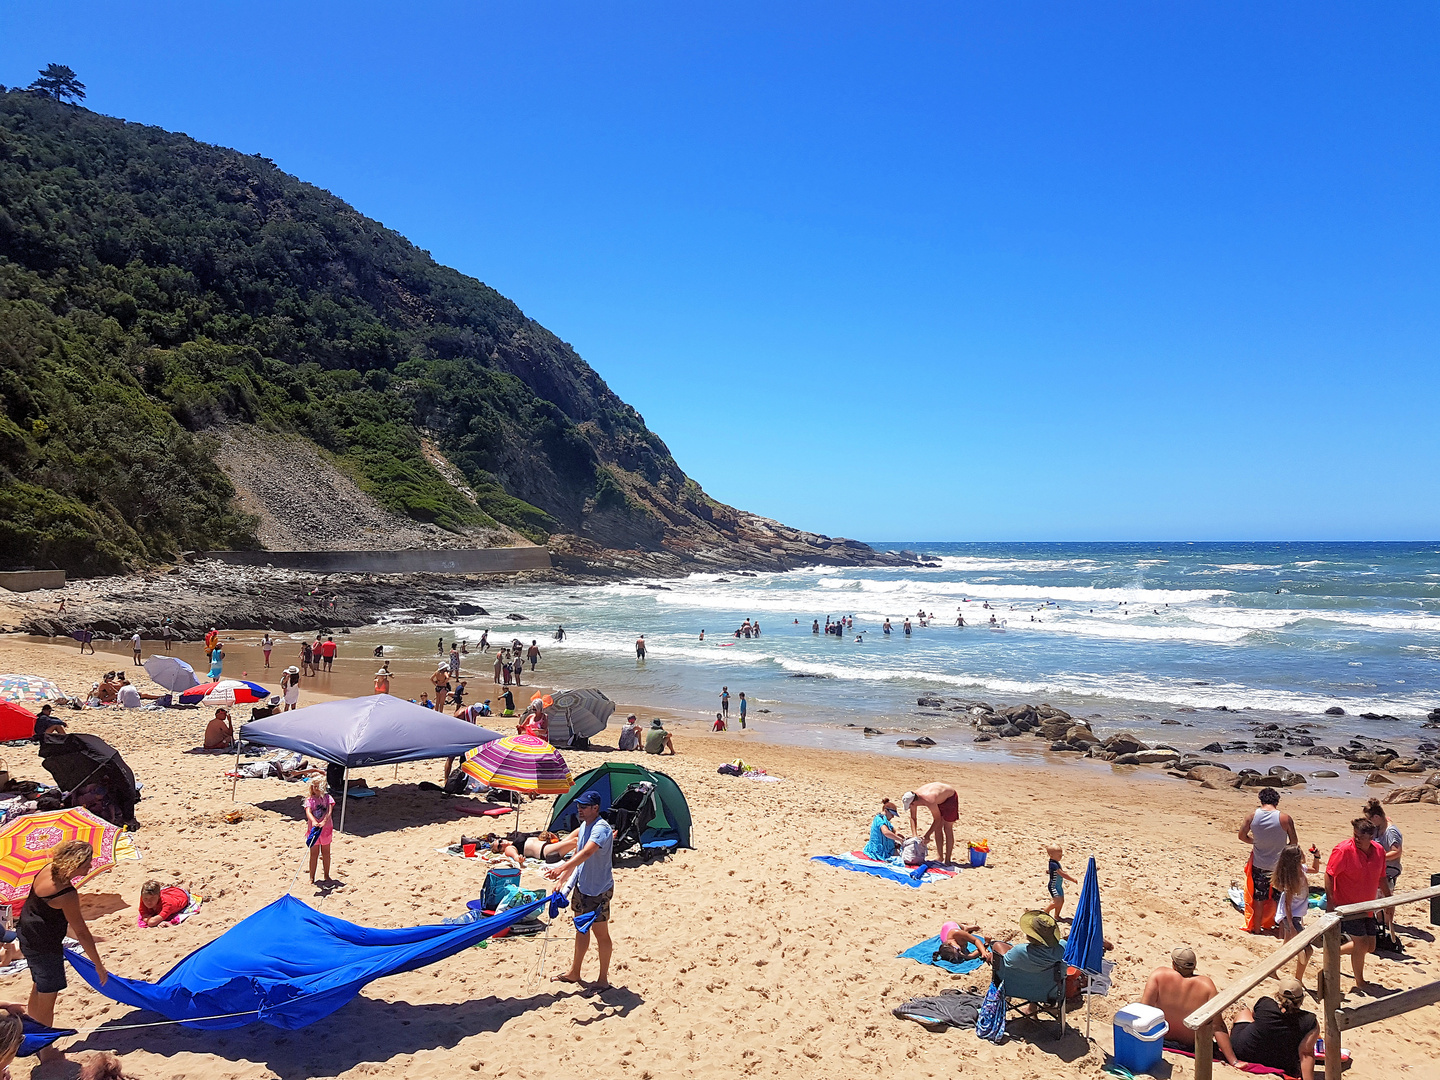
(15, 722)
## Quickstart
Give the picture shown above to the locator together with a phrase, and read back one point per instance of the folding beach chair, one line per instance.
(1054, 1003)
(629, 815)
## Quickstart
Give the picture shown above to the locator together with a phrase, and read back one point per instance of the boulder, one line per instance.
(1100, 754)
(910, 744)
(1325, 774)
(930, 702)
(1213, 772)
(1300, 740)
(873, 731)
(1404, 765)
(1217, 784)
(1423, 793)
(1009, 731)
(1079, 733)
(1319, 751)
(1126, 759)
(1378, 778)
(1124, 742)
(1212, 748)
(1335, 710)
(982, 738)
(1157, 757)
(1167, 720)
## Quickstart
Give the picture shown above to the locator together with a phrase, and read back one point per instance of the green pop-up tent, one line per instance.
(669, 824)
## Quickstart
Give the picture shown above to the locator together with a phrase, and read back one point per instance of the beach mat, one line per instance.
(894, 870)
(925, 953)
(481, 809)
(1170, 1046)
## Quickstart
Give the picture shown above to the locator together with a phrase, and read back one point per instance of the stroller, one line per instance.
(629, 815)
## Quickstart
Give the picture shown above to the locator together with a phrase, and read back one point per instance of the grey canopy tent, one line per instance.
(356, 732)
(577, 716)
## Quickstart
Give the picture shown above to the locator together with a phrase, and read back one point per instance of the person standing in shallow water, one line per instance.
(742, 710)
(640, 647)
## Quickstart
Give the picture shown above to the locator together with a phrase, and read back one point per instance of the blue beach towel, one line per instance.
(924, 953)
(891, 870)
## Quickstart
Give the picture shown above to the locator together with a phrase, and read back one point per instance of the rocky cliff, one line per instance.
(159, 295)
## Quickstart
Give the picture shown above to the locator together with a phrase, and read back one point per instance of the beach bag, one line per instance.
(913, 851)
(991, 1024)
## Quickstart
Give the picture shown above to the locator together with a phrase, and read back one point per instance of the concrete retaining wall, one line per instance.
(29, 580)
(440, 561)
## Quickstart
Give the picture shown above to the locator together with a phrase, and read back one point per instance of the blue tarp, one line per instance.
(288, 965)
(894, 870)
(1085, 947)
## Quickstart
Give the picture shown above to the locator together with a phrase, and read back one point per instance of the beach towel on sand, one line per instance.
(1172, 1047)
(891, 869)
(924, 953)
(1237, 899)
(951, 1009)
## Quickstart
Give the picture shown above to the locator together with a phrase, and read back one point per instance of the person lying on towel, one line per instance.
(160, 905)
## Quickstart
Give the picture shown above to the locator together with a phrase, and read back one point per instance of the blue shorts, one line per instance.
(1057, 886)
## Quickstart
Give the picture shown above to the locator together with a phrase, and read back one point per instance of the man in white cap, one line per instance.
(1177, 992)
(944, 803)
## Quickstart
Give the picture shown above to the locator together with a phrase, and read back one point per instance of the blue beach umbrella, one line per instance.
(1085, 948)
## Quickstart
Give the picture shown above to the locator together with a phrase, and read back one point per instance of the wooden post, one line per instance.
(1331, 1002)
(1204, 1050)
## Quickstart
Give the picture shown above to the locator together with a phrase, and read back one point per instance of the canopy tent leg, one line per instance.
(344, 798)
(235, 783)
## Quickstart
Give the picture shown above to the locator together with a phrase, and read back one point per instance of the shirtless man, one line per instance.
(220, 732)
(1177, 992)
(944, 803)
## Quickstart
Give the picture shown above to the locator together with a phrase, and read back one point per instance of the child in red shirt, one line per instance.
(159, 905)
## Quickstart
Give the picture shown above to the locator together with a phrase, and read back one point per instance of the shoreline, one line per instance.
(742, 925)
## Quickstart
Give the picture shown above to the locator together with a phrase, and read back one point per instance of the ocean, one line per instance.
(1128, 635)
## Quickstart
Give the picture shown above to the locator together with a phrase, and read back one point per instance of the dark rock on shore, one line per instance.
(1335, 710)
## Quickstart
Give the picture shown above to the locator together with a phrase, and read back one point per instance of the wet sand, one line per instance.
(740, 957)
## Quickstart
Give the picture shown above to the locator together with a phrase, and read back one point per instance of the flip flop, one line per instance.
(563, 979)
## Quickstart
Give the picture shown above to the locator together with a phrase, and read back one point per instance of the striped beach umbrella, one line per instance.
(225, 692)
(29, 688)
(523, 763)
(26, 844)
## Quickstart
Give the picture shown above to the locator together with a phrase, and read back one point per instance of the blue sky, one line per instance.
(951, 271)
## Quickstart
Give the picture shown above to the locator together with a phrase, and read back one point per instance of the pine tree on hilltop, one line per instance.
(59, 82)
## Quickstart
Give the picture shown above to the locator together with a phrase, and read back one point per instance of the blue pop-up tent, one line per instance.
(356, 732)
(289, 965)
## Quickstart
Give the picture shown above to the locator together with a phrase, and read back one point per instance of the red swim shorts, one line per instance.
(950, 808)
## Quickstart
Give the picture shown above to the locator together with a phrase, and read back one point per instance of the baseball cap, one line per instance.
(590, 798)
(1291, 988)
(1182, 956)
(907, 799)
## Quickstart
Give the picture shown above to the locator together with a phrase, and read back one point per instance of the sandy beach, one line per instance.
(740, 957)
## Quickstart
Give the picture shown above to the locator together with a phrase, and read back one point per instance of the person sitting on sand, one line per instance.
(630, 734)
(48, 724)
(959, 943)
(657, 739)
(161, 904)
(12, 1033)
(1279, 1033)
(883, 837)
(944, 804)
(1177, 992)
(1027, 971)
(220, 732)
(536, 723)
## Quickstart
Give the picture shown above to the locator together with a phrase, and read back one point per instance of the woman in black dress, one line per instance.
(53, 907)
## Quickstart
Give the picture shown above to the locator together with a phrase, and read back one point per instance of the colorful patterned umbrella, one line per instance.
(26, 844)
(29, 688)
(522, 763)
(225, 692)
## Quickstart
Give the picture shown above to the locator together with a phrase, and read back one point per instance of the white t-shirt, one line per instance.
(128, 697)
(292, 694)
(1299, 904)
(135, 642)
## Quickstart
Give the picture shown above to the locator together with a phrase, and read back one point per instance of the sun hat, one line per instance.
(656, 723)
(1183, 957)
(590, 798)
(292, 670)
(1039, 928)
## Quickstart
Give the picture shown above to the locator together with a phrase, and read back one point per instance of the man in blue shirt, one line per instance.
(594, 886)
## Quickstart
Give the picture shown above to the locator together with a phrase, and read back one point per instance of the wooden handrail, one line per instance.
(1386, 1007)
(1260, 972)
(1386, 902)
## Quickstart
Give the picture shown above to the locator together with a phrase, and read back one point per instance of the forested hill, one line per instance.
(154, 289)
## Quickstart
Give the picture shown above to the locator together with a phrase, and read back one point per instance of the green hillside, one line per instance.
(153, 287)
